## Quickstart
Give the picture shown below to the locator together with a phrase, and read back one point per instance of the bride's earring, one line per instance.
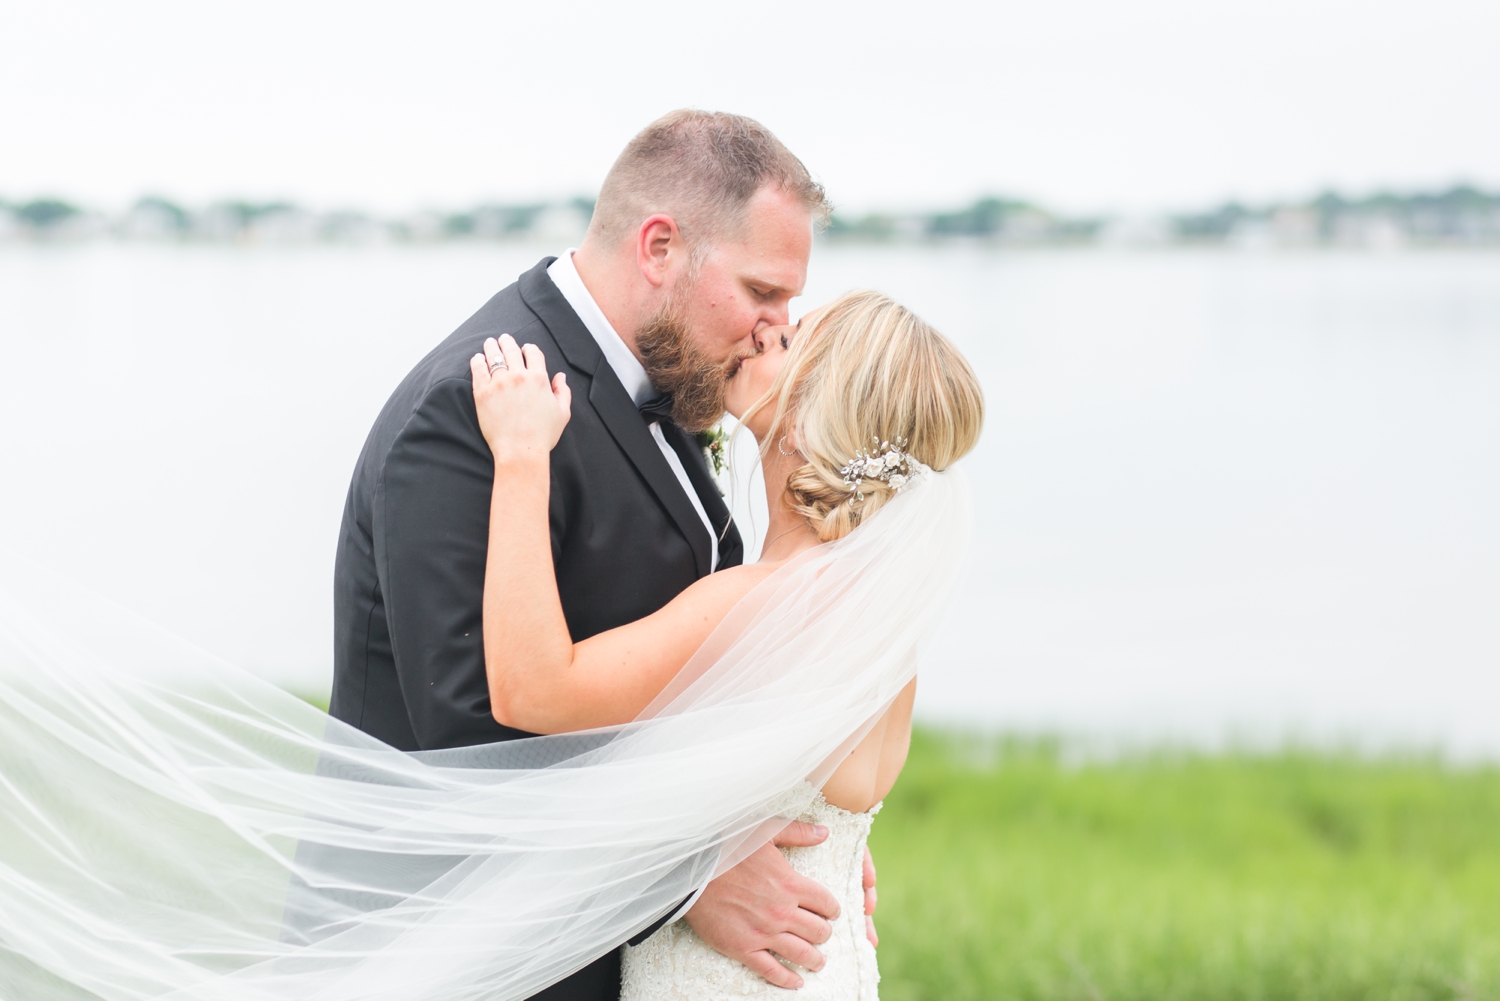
(781, 447)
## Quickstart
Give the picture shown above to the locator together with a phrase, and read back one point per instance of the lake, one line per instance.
(1222, 496)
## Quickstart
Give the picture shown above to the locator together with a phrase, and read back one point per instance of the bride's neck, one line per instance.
(787, 532)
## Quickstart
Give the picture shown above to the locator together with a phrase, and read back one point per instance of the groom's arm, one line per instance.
(431, 530)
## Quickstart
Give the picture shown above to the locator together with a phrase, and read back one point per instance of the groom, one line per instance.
(700, 238)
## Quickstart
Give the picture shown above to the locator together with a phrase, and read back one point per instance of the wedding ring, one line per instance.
(497, 366)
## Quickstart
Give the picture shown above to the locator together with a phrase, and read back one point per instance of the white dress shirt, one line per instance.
(632, 375)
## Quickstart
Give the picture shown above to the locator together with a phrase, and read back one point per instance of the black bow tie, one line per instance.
(658, 408)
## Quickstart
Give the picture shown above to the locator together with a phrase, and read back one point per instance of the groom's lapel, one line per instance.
(731, 549)
(615, 408)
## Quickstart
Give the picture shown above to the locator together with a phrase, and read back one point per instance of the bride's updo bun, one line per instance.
(862, 368)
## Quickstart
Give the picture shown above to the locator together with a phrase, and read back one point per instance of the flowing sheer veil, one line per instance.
(171, 827)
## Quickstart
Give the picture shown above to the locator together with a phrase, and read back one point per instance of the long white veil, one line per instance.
(172, 827)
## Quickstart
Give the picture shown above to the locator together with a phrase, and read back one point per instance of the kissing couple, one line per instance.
(576, 749)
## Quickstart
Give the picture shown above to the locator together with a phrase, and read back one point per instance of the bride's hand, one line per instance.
(521, 413)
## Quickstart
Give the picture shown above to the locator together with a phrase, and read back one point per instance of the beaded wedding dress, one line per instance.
(674, 964)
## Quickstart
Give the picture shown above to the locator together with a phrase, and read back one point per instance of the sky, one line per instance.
(1079, 105)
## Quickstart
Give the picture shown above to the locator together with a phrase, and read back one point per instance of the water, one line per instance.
(1221, 495)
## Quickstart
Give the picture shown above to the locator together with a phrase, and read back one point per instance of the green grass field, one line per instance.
(1006, 872)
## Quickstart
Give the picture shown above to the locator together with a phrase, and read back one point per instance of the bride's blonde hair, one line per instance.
(861, 369)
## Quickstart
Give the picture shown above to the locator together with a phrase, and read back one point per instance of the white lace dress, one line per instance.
(675, 964)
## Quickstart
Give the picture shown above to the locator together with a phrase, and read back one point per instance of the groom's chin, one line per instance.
(695, 423)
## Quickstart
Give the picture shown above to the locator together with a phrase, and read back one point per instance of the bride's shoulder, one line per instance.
(717, 593)
(735, 581)
(713, 596)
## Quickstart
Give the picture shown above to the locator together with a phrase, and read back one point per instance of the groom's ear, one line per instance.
(659, 249)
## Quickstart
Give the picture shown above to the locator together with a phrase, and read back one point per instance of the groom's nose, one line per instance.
(779, 312)
(768, 318)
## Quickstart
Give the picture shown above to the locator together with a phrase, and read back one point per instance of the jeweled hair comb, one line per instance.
(887, 462)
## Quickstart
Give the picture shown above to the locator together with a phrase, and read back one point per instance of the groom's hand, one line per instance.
(763, 908)
(869, 880)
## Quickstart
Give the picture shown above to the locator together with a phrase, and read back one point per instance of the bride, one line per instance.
(170, 827)
(866, 377)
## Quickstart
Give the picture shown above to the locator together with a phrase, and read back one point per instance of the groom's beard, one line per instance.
(677, 365)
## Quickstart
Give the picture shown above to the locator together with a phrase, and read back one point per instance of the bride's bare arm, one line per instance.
(539, 679)
(548, 684)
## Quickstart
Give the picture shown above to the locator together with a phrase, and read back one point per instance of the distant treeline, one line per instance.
(157, 218)
(1459, 216)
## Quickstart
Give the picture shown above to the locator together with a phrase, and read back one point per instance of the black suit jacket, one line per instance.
(409, 577)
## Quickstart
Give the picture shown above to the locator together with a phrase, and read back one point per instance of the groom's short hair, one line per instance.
(701, 168)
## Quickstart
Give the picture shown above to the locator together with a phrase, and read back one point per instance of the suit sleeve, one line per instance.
(431, 532)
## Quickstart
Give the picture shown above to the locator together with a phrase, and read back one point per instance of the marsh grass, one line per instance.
(1007, 871)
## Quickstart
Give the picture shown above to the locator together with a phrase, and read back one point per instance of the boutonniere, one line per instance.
(715, 445)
